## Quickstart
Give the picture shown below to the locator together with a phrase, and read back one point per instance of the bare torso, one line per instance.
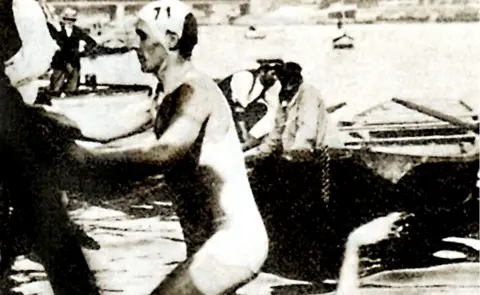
(212, 193)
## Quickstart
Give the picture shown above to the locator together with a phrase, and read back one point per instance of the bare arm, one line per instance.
(90, 42)
(251, 143)
(348, 282)
(271, 142)
(133, 119)
(172, 145)
(370, 233)
(53, 31)
(267, 123)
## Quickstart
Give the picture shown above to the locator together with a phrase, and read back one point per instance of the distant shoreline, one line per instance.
(306, 16)
(376, 15)
(352, 23)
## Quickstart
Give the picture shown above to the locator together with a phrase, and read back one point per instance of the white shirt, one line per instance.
(241, 84)
(68, 30)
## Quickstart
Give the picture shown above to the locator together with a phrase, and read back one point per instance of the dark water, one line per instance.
(307, 236)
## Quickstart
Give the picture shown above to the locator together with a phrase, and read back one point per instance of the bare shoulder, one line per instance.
(205, 88)
(213, 103)
(196, 96)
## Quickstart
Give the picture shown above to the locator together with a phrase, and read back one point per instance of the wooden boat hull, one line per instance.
(307, 234)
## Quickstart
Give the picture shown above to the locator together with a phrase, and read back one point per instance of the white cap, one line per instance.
(164, 15)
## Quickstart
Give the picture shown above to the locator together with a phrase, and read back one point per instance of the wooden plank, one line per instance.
(414, 140)
(436, 114)
(402, 117)
(399, 126)
(387, 121)
(464, 104)
(336, 107)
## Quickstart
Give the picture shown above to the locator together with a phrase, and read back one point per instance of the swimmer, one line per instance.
(194, 142)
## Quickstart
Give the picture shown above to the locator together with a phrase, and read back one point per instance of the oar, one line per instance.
(335, 107)
(437, 114)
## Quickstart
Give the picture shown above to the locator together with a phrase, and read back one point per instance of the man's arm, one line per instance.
(240, 85)
(251, 143)
(53, 31)
(267, 123)
(190, 116)
(90, 43)
(378, 229)
(271, 143)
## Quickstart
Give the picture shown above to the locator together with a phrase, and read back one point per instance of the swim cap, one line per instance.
(164, 16)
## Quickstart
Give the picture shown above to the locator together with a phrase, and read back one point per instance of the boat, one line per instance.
(342, 40)
(345, 42)
(253, 34)
(396, 156)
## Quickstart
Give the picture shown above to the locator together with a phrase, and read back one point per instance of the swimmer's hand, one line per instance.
(379, 229)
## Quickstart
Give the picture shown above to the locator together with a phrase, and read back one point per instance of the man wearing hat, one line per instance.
(66, 62)
(253, 97)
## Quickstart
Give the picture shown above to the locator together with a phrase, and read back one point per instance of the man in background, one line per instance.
(289, 168)
(300, 121)
(253, 98)
(66, 62)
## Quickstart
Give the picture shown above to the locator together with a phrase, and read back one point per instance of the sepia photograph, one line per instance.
(249, 147)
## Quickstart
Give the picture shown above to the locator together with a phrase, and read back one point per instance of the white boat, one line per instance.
(253, 33)
(343, 42)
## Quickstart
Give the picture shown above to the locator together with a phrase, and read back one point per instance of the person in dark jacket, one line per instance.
(31, 211)
(66, 62)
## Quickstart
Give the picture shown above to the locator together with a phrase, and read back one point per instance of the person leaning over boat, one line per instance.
(296, 145)
(300, 121)
(253, 98)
